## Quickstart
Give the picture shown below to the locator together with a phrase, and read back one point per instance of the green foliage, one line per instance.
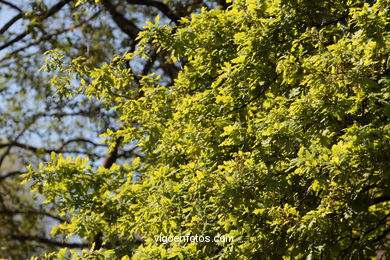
(65, 253)
(276, 132)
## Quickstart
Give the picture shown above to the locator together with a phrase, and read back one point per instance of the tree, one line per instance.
(275, 132)
(36, 121)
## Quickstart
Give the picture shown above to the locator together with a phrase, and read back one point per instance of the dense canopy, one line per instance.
(274, 130)
(35, 120)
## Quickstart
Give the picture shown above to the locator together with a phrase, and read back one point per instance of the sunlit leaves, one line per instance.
(275, 131)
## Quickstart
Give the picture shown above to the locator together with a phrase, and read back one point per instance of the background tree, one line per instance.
(36, 121)
(275, 131)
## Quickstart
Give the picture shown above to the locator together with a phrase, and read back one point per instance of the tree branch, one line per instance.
(10, 174)
(16, 39)
(49, 36)
(159, 5)
(5, 154)
(11, 22)
(124, 24)
(43, 240)
(11, 5)
(83, 140)
(27, 147)
(128, 153)
(31, 212)
(54, 9)
(108, 161)
(40, 149)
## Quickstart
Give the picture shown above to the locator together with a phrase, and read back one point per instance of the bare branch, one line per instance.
(159, 5)
(128, 153)
(26, 147)
(5, 154)
(41, 149)
(44, 240)
(50, 36)
(16, 39)
(10, 174)
(11, 5)
(124, 24)
(11, 22)
(81, 140)
(54, 9)
(31, 212)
